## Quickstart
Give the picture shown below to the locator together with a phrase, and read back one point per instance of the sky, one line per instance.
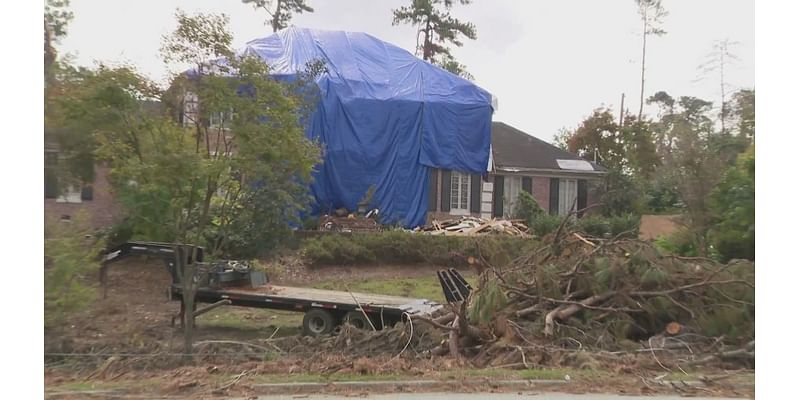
(549, 63)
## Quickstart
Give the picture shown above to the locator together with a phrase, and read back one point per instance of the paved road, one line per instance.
(487, 396)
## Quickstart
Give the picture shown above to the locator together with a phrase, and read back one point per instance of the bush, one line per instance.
(680, 243)
(595, 225)
(527, 209)
(401, 247)
(610, 227)
(70, 255)
(545, 224)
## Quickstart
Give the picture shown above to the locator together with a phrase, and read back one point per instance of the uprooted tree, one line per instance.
(189, 179)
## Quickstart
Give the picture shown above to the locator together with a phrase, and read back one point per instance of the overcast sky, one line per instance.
(550, 63)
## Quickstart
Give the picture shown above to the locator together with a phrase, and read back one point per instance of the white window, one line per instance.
(220, 119)
(512, 185)
(567, 196)
(70, 195)
(459, 193)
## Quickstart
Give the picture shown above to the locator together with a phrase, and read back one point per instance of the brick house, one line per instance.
(95, 199)
(557, 179)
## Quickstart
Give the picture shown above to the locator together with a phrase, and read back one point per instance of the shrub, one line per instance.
(680, 243)
(595, 225)
(624, 223)
(70, 255)
(401, 247)
(545, 224)
(527, 209)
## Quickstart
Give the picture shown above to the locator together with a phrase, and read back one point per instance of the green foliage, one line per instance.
(625, 223)
(545, 224)
(281, 14)
(439, 28)
(733, 204)
(70, 259)
(681, 243)
(182, 181)
(527, 209)
(487, 302)
(399, 247)
(595, 225)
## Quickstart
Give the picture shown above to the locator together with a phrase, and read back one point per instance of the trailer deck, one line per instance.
(303, 299)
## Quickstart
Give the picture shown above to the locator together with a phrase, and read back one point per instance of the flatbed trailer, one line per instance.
(324, 309)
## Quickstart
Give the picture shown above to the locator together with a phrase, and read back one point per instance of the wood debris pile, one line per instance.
(617, 297)
(472, 226)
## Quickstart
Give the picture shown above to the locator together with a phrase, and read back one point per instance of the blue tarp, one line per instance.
(384, 118)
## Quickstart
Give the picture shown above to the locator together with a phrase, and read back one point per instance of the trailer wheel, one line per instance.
(318, 322)
(357, 320)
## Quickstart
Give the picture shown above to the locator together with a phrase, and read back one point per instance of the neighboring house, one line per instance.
(557, 179)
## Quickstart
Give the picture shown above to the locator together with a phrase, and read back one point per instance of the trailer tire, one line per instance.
(357, 320)
(318, 322)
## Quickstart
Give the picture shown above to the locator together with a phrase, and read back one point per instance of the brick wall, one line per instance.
(102, 210)
(541, 191)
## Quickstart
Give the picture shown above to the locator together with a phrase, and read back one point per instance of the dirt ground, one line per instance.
(125, 342)
(653, 226)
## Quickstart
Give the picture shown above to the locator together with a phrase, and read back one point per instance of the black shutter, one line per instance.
(581, 195)
(497, 206)
(554, 196)
(50, 184)
(433, 188)
(475, 194)
(445, 191)
(87, 193)
(527, 184)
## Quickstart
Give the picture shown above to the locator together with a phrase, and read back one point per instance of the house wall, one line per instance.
(102, 210)
(540, 184)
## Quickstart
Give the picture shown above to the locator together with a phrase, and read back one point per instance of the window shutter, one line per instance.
(50, 185)
(433, 187)
(445, 204)
(554, 196)
(527, 184)
(497, 205)
(475, 195)
(582, 194)
(87, 193)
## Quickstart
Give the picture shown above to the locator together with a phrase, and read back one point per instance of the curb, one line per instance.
(399, 385)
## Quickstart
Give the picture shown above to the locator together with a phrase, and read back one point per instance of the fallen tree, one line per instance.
(582, 301)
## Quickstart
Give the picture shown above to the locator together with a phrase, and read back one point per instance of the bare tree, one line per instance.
(652, 14)
(716, 62)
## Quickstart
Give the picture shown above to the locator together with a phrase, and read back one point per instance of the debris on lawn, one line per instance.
(473, 226)
(348, 223)
(610, 297)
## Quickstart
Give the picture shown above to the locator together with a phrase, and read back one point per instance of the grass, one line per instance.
(262, 323)
(425, 287)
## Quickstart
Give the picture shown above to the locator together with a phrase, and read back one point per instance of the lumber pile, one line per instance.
(472, 226)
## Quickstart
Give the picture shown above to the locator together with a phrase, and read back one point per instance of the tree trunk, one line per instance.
(187, 270)
(644, 48)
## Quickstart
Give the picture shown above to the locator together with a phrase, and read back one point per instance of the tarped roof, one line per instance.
(384, 117)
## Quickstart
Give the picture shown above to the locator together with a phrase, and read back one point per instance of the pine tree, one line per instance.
(282, 12)
(438, 29)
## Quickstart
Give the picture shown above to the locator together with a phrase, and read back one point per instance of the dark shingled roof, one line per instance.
(512, 147)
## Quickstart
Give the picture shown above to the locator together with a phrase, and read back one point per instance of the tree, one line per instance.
(438, 29)
(716, 62)
(70, 258)
(652, 14)
(282, 12)
(743, 112)
(191, 180)
(733, 204)
(56, 19)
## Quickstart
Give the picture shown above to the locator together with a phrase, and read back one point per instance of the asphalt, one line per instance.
(488, 396)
